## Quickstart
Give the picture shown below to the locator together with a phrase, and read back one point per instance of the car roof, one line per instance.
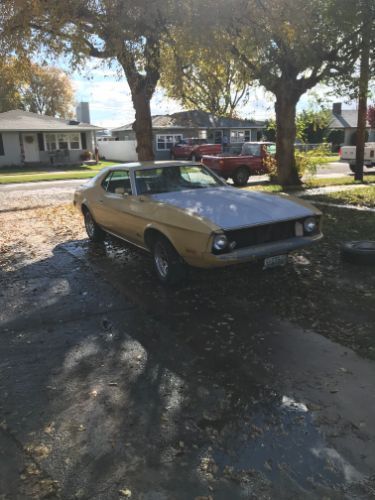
(144, 165)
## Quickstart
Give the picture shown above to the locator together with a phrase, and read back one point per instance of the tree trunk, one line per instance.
(285, 108)
(362, 96)
(143, 124)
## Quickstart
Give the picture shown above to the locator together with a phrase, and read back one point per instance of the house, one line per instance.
(28, 138)
(345, 120)
(170, 129)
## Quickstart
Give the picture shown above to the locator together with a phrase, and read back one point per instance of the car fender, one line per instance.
(186, 242)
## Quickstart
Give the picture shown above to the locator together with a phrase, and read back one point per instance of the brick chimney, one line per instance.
(336, 108)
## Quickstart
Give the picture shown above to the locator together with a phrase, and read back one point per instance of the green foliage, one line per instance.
(40, 89)
(336, 138)
(201, 78)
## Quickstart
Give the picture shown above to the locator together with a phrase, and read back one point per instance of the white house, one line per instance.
(28, 138)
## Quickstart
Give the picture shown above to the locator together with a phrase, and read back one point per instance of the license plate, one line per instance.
(276, 261)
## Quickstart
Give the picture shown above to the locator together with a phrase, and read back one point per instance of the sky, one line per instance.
(109, 97)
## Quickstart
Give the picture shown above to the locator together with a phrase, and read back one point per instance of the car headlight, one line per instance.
(220, 242)
(310, 225)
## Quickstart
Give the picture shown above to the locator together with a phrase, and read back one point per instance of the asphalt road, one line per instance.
(41, 194)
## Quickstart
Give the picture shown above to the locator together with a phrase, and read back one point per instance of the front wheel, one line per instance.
(94, 232)
(169, 266)
(241, 176)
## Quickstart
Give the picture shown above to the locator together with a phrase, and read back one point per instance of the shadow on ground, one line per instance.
(111, 383)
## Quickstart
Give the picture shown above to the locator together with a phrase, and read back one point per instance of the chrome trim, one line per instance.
(127, 241)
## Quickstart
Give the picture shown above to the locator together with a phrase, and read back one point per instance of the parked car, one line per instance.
(348, 155)
(193, 149)
(183, 214)
(251, 161)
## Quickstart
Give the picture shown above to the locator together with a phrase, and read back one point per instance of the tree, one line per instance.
(128, 32)
(43, 90)
(200, 78)
(289, 46)
(48, 91)
(367, 36)
(13, 76)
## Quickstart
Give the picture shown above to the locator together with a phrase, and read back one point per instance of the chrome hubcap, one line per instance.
(161, 260)
(89, 224)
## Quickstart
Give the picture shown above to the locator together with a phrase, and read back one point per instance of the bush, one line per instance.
(306, 162)
(86, 155)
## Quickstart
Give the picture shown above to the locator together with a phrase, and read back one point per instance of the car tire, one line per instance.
(241, 176)
(168, 264)
(94, 232)
(359, 252)
(352, 168)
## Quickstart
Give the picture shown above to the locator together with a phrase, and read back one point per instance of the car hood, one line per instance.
(230, 208)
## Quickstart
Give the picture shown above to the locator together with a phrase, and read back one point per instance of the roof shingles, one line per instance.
(25, 121)
(195, 119)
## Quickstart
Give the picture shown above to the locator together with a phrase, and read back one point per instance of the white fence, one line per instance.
(118, 150)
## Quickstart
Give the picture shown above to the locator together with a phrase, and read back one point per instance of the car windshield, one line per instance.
(174, 178)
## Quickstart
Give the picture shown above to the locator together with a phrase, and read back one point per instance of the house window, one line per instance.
(166, 142)
(240, 135)
(74, 141)
(62, 141)
(50, 142)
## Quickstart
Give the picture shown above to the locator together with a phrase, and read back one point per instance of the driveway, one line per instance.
(231, 387)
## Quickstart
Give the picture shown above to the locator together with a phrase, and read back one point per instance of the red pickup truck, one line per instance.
(193, 149)
(251, 161)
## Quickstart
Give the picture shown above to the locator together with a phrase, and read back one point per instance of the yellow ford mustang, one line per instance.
(184, 214)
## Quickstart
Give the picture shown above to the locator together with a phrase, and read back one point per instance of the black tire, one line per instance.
(241, 176)
(94, 232)
(359, 252)
(352, 168)
(169, 266)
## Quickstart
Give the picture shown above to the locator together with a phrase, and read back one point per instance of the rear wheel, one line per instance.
(241, 176)
(94, 232)
(169, 266)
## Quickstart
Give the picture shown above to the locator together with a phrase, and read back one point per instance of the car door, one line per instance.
(115, 203)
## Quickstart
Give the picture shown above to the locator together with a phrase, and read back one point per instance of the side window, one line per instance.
(106, 181)
(117, 179)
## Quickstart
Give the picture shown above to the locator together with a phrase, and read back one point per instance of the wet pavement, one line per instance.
(114, 387)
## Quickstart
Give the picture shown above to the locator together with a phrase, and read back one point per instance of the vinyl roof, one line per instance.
(144, 165)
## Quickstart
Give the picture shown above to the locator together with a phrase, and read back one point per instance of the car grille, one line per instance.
(257, 235)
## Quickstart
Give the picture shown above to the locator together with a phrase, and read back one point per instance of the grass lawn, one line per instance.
(309, 184)
(24, 174)
(363, 197)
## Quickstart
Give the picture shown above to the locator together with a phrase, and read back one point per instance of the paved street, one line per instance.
(41, 194)
(231, 387)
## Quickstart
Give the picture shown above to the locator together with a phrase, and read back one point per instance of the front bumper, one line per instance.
(254, 253)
